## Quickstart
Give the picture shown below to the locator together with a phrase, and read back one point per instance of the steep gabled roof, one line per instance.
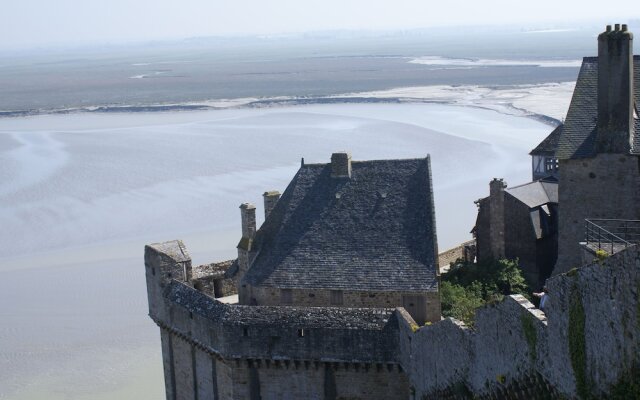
(536, 193)
(374, 231)
(578, 136)
(549, 144)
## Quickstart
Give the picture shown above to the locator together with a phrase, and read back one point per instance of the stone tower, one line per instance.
(598, 149)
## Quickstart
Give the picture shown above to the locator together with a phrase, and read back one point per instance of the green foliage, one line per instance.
(468, 286)
(577, 345)
(458, 302)
(530, 334)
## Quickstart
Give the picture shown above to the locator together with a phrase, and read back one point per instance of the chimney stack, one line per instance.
(341, 165)
(496, 212)
(248, 215)
(615, 90)
(270, 200)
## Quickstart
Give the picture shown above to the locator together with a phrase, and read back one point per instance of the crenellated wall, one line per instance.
(585, 343)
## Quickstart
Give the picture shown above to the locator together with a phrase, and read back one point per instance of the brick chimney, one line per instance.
(270, 200)
(496, 212)
(341, 165)
(615, 90)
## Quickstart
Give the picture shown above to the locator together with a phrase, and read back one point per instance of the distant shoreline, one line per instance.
(454, 95)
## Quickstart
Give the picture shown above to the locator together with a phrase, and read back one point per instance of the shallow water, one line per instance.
(81, 194)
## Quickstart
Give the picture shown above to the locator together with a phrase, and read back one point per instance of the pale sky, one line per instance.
(28, 23)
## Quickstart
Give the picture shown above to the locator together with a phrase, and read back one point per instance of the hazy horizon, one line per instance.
(37, 24)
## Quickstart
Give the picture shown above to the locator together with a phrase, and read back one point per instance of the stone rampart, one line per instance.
(588, 341)
(286, 333)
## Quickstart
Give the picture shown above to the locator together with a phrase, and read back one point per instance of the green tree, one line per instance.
(468, 286)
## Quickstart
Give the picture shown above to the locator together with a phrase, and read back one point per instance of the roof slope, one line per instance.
(579, 133)
(375, 231)
(536, 193)
(549, 144)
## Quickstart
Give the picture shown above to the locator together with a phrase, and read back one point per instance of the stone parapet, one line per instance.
(587, 341)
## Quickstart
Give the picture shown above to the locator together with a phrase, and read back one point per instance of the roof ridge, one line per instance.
(523, 184)
(370, 161)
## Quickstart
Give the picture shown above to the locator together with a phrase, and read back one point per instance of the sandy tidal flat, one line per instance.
(81, 194)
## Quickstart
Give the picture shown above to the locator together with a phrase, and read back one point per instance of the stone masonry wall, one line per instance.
(588, 340)
(464, 251)
(213, 350)
(427, 311)
(605, 186)
(214, 279)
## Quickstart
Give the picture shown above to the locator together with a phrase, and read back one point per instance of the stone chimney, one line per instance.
(270, 200)
(496, 212)
(248, 215)
(615, 90)
(341, 165)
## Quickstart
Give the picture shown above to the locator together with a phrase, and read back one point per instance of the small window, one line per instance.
(336, 298)
(245, 331)
(550, 164)
(190, 315)
(301, 332)
(312, 295)
(153, 271)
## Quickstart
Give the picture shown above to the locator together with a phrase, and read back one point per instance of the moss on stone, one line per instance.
(530, 334)
(601, 255)
(572, 272)
(577, 345)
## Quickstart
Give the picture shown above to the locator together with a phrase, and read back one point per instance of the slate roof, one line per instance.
(174, 249)
(578, 136)
(374, 231)
(549, 144)
(535, 194)
(303, 317)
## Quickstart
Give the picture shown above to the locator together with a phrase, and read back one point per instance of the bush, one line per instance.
(468, 286)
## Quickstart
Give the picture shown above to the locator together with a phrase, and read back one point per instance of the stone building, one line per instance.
(520, 222)
(348, 234)
(599, 145)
